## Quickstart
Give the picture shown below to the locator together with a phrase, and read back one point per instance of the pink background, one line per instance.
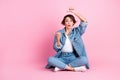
(27, 28)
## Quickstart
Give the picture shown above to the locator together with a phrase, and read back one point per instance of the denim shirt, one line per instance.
(76, 40)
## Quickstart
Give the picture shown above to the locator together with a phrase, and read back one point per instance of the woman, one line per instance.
(68, 44)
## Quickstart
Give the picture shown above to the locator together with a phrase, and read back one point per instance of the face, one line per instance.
(68, 22)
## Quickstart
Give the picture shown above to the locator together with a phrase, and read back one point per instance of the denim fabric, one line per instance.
(76, 40)
(62, 61)
(67, 59)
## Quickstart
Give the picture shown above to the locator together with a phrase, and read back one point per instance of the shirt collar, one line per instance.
(63, 31)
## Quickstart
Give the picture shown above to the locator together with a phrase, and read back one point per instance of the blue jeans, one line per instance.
(67, 59)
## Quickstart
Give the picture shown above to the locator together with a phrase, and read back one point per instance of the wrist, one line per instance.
(58, 42)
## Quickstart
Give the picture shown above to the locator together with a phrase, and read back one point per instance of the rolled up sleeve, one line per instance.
(82, 27)
(58, 47)
(55, 47)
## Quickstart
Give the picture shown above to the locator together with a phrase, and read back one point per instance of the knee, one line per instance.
(84, 60)
(50, 59)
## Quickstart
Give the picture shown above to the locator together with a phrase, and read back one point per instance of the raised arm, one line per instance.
(58, 34)
(83, 24)
(83, 19)
(57, 44)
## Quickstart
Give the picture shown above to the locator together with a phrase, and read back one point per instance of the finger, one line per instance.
(71, 8)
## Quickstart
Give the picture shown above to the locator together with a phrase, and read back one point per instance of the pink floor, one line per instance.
(27, 28)
(106, 69)
(101, 72)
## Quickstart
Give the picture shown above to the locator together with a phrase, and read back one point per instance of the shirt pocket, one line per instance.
(76, 39)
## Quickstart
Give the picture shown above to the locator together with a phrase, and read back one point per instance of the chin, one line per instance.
(70, 27)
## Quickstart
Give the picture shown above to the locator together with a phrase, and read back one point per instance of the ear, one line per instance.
(73, 24)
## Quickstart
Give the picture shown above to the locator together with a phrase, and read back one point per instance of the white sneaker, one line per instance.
(81, 68)
(56, 69)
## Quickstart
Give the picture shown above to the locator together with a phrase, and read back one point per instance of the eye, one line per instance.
(66, 21)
